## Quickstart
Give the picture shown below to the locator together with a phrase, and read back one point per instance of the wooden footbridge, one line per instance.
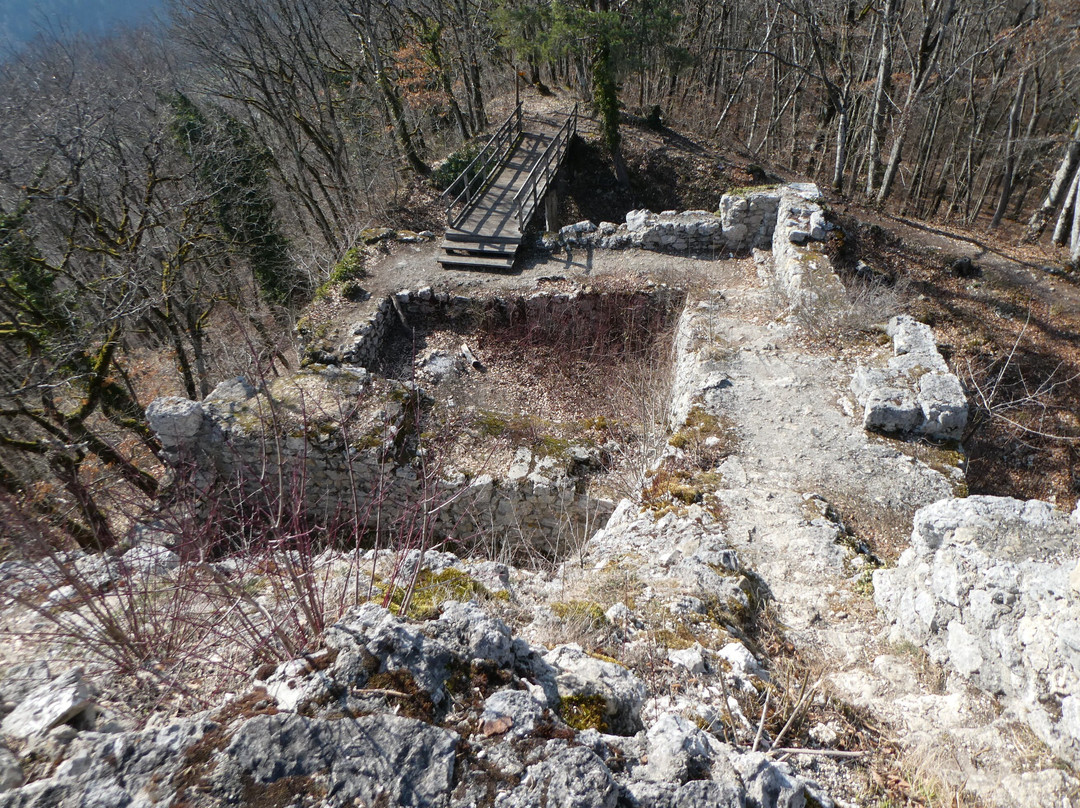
(493, 199)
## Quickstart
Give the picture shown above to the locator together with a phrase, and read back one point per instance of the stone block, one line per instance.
(176, 421)
(910, 336)
(49, 706)
(944, 406)
(892, 409)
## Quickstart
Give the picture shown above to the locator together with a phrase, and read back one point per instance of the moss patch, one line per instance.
(434, 589)
(584, 712)
(581, 611)
(693, 438)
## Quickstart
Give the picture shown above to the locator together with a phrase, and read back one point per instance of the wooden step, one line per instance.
(477, 261)
(481, 247)
(453, 234)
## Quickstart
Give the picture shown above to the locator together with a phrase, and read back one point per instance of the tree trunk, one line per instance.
(1065, 216)
(1010, 153)
(1059, 186)
(606, 97)
(882, 85)
(1074, 248)
(841, 146)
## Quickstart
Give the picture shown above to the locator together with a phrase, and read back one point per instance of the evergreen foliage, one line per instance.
(235, 168)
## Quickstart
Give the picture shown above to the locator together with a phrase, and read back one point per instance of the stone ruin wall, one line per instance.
(226, 440)
(988, 587)
(540, 501)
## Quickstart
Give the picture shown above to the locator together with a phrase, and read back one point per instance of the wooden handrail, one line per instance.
(528, 198)
(490, 159)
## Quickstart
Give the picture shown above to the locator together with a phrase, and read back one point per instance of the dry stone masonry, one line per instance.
(802, 268)
(457, 709)
(228, 437)
(913, 394)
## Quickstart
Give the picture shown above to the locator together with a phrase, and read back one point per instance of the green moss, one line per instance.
(600, 423)
(605, 658)
(345, 272)
(583, 611)
(864, 584)
(699, 427)
(551, 446)
(490, 424)
(582, 712)
(676, 638)
(673, 487)
(371, 235)
(542, 437)
(350, 267)
(743, 190)
(432, 590)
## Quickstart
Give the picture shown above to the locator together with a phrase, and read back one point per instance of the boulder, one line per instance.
(48, 706)
(914, 395)
(566, 776)
(678, 751)
(513, 713)
(368, 760)
(581, 678)
(176, 421)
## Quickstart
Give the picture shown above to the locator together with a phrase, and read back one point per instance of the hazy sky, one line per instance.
(20, 20)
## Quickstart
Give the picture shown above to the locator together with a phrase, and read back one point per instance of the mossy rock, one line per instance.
(372, 235)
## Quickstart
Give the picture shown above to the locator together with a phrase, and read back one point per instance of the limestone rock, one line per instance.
(20, 680)
(774, 785)
(580, 675)
(370, 632)
(514, 713)
(471, 634)
(48, 706)
(176, 421)
(234, 390)
(149, 560)
(892, 409)
(985, 588)
(691, 659)
(570, 777)
(11, 773)
(374, 759)
(915, 395)
(679, 751)
(944, 406)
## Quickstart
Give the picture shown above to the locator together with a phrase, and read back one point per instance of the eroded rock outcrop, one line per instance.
(989, 587)
(450, 712)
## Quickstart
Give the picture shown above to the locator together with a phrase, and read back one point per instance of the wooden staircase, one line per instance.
(464, 249)
(492, 200)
